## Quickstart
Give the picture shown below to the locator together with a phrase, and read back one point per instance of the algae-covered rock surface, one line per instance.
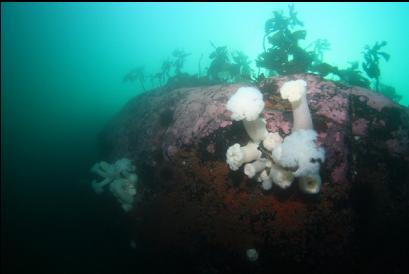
(197, 214)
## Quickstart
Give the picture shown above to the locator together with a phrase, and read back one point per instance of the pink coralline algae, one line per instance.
(193, 202)
(360, 127)
(324, 98)
(225, 123)
(321, 138)
(373, 100)
(275, 122)
(338, 175)
(335, 108)
(210, 148)
(199, 113)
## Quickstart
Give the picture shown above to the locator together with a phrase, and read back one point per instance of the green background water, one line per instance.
(62, 66)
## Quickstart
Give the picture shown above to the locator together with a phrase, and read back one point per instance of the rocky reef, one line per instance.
(197, 214)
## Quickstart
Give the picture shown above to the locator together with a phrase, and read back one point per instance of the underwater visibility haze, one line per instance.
(204, 137)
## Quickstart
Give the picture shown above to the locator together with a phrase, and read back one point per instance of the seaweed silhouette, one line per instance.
(136, 75)
(389, 92)
(219, 68)
(353, 76)
(284, 56)
(229, 67)
(164, 74)
(371, 64)
(319, 47)
(180, 56)
(241, 69)
(281, 23)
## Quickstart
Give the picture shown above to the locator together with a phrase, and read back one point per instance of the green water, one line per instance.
(62, 67)
(63, 64)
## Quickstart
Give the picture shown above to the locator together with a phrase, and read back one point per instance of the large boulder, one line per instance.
(199, 215)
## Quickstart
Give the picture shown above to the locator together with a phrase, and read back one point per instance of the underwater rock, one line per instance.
(198, 214)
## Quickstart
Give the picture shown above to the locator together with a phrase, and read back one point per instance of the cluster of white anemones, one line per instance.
(121, 179)
(295, 156)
